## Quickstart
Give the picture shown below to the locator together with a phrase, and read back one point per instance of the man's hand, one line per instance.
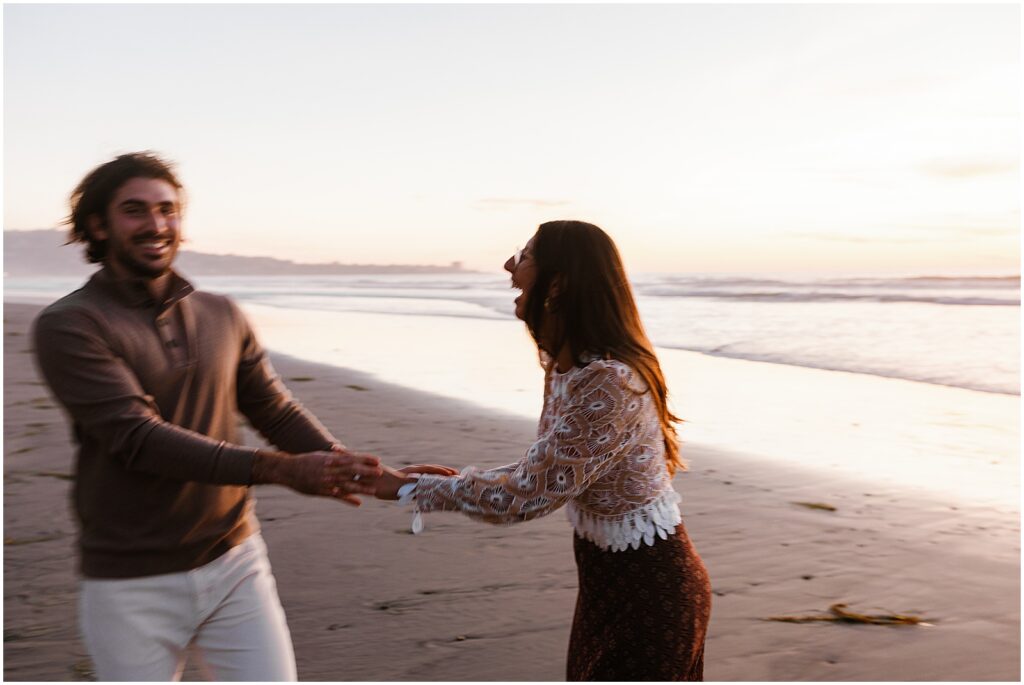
(337, 474)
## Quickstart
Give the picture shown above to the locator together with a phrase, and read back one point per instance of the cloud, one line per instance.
(918, 232)
(510, 202)
(968, 224)
(849, 238)
(967, 168)
(966, 229)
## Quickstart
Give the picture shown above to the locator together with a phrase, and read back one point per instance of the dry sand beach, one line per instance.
(366, 600)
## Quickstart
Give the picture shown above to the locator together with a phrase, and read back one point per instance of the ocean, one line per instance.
(914, 383)
(962, 332)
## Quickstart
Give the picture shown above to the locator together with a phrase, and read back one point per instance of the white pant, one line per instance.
(138, 628)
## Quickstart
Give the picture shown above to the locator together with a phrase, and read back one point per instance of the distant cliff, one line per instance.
(43, 253)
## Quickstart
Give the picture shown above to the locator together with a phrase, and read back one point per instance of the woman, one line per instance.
(606, 450)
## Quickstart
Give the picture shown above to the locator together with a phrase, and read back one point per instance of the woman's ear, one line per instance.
(551, 299)
(555, 287)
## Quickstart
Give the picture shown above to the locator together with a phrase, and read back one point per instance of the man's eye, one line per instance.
(169, 210)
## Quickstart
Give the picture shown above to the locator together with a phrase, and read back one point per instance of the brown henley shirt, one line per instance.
(154, 391)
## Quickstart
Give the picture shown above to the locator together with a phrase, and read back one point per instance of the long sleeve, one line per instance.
(107, 402)
(597, 424)
(268, 405)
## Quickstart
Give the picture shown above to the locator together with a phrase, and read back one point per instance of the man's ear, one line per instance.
(97, 228)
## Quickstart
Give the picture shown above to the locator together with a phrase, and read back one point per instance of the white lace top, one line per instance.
(600, 452)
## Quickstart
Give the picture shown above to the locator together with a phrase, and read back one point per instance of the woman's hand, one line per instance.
(389, 482)
(435, 469)
(393, 479)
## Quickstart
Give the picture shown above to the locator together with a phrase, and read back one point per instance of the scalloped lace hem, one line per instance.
(657, 518)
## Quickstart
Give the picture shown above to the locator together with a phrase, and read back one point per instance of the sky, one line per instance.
(804, 139)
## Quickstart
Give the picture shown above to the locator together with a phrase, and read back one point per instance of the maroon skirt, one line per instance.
(641, 614)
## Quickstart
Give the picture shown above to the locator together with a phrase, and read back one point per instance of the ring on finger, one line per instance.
(356, 477)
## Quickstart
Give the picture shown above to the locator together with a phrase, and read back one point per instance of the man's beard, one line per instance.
(139, 268)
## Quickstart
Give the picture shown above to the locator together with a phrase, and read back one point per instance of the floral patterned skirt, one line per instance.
(641, 614)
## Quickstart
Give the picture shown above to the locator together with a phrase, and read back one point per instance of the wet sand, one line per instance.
(366, 600)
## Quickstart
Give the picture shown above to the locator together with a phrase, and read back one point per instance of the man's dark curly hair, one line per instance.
(94, 194)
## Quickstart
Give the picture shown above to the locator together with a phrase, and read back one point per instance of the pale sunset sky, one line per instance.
(814, 139)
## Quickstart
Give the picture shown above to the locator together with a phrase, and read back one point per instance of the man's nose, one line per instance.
(510, 265)
(159, 220)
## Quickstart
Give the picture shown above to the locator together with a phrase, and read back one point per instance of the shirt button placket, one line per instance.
(163, 326)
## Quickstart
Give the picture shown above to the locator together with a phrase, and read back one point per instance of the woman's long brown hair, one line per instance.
(592, 310)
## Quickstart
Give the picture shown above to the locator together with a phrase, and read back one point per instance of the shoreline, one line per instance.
(875, 429)
(47, 294)
(467, 601)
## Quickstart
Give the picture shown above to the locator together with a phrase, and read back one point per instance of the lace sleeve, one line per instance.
(597, 425)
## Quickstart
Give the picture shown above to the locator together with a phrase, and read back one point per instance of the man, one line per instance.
(152, 374)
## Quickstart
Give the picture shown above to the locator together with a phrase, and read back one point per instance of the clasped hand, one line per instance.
(338, 473)
(384, 483)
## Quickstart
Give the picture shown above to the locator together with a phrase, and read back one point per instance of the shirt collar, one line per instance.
(133, 292)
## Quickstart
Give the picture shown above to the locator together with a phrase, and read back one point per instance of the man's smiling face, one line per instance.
(142, 228)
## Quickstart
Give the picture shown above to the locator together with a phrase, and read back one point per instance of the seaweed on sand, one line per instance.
(816, 505)
(839, 614)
